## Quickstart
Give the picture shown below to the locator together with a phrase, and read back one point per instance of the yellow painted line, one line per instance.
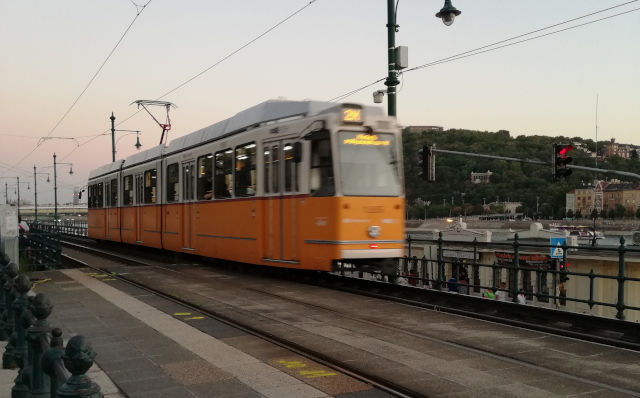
(193, 317)
(307, 374)
(181, 313)
(311, 374)
(293, 364)
(109, 279)
(41, 281)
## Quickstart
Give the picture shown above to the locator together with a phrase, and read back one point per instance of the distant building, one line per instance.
(621, 150)
(571, 201)
(481, 178)
(420, 129)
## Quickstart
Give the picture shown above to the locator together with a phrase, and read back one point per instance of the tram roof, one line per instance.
(265, 112)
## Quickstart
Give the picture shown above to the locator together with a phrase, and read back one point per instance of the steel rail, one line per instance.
(316, 356)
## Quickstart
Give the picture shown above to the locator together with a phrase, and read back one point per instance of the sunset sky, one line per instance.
(546, 86)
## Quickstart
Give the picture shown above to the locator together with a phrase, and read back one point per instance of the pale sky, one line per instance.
(548, 86)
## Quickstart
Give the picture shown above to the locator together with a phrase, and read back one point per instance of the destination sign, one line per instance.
(366, 139)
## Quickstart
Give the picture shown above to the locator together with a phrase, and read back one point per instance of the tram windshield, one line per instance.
(368, 164)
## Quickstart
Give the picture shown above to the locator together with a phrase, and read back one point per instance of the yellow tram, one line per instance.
(298, 184)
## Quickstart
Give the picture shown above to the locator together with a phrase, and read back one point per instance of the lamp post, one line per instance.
(113, 137)
(6, 190)
(55, 187)
(447, 14)
(35, 191)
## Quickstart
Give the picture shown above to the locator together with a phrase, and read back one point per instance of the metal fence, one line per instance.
(526, 268)
(40, 248)
(499, 270)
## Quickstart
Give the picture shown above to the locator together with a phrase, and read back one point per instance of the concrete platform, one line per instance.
(151, 352)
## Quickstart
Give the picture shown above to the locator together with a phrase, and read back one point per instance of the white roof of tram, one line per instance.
(264, 112)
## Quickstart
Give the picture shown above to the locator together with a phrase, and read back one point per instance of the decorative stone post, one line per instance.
(78, 358)
(6, 321)
(37, 337)
(52, 362)
(23, 318)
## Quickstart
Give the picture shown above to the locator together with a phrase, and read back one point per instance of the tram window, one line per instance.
(90, 196)
(245, 180)
(114, 193)
(223, 174)
(290, 169)
(275, 168)
(127, 189)
(321, 173)
(172, 183)
(107, 194)
(188, 170)
(205, 172)
(150, 178)
(267, 170)
(99, 201)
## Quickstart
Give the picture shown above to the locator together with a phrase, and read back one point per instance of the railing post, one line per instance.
(409, 242)
(621, 279)
(516, 267)
(592, 276)
(474, 264)
(440, 262)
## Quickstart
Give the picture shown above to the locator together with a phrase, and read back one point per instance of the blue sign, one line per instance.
(556, 247)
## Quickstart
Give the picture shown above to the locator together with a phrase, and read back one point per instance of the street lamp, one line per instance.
(396, 54)
(113, 137)
(17, 191)
(35, 190)
(448, 13)
(55, 187)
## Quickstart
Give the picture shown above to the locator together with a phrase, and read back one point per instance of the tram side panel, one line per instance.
(113, 224)
(97, 212)
(318, 231)
(128, 224)
(172, 226)
(227, 229)
(150, 225)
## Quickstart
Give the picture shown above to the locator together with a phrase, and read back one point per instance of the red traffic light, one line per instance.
(564, 149)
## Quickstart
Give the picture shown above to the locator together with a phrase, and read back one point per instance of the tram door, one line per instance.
(281, 188)
(139, 181)
(188, 196)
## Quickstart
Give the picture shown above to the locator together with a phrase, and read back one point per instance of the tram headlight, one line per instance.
(374, 231)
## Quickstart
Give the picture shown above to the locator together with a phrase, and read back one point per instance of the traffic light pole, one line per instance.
(539, 162)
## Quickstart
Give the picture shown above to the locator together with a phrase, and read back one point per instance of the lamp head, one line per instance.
(138, 144)
(448, 13)
(70, 169)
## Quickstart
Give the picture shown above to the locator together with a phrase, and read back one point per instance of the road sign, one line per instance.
(556, 247)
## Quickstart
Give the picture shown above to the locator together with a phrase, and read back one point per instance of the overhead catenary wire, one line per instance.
(207, 69)
(492, 46)
(139, 10)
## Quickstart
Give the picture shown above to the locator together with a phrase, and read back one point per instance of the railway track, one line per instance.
(318, 357)
(378, 290)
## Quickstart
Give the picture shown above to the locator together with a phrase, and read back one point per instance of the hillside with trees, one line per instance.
(511, 181)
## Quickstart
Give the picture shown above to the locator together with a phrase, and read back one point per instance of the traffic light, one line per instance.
(564, 268)
(560, 161)
(427, 162)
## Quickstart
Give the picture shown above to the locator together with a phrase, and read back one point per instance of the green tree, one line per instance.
(569, 213)
(578, 215)
(638, 212)
(620, 210)
(611, 214)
